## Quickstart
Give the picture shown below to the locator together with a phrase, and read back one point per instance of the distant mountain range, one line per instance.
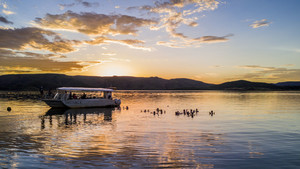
(52, 81)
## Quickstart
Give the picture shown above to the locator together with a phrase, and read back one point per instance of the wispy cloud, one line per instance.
(4, 20)
(4, 5)
(132, 43)
(274, 74)
(7, 12)
(109, 54)
(79, 2)
(213, 39)
(295, 50)
(112, 59)
(194, 42)
(5, 9)
(260, 23)
(173, 14)
(120, 60)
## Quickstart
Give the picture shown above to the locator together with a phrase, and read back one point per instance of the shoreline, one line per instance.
(35, 95)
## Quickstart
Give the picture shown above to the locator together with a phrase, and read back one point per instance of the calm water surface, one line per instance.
(248, 130)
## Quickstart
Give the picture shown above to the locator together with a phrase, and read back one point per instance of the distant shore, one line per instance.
(35, 95)
(34, 82)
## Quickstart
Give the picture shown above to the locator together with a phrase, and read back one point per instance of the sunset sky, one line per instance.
(208, 40)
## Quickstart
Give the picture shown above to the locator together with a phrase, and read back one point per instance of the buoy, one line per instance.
(8, 109)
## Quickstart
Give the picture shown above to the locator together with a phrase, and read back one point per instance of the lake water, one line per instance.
(248, 130)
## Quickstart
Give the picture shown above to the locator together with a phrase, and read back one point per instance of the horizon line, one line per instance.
(149, 77)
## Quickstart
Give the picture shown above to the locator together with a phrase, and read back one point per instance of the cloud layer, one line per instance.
(46, 45)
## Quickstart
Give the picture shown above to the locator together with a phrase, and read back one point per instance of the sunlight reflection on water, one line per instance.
(249, 130)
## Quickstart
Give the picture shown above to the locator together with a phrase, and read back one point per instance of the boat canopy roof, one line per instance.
(85, 89)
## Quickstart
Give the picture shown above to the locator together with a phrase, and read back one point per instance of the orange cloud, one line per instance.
(132, 43)
(26, 62)
(30, 37)
(262, 73)
(93, 23)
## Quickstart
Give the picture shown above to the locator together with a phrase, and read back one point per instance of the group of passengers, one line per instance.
(74, 96)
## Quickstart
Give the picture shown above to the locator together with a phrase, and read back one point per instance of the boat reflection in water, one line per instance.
(77, 116)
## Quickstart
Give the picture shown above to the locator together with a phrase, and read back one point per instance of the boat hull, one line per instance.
(55, 103)
(88, 103)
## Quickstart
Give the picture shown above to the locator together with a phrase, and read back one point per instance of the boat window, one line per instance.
(85, 95)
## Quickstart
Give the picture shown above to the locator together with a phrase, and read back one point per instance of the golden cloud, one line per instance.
(93, 23)
(30, 37)
(12, 62)
(132, 43)
(270, 73)
(8, 12)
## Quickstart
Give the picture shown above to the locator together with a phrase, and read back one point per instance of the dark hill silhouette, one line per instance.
(35, 81)
(293, 85)
(245, 85)
(288, 84)
(52, 81)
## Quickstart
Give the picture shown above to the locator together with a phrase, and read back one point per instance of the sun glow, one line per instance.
(113, 69)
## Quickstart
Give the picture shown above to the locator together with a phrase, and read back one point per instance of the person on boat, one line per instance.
(83, 96)
(109, 95)
(74, 96)
(70, 95)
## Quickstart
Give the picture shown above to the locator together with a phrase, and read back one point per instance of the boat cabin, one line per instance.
(69, 93)
(80, 97)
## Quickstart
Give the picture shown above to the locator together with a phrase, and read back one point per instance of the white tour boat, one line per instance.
(80, 97)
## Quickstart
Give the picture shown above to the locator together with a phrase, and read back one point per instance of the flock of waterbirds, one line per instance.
(158, 111)
(192, 112)
(186, 112)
